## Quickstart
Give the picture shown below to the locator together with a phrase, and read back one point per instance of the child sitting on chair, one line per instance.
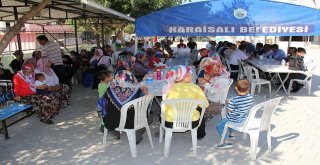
(41, 87)
(237, 110)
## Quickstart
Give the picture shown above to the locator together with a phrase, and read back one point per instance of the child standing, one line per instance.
(41, 87)
(105, 77)
(238, 109)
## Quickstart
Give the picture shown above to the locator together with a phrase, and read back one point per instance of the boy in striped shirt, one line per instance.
(238, 109)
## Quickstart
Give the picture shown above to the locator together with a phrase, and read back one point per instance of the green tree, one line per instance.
(133, 8)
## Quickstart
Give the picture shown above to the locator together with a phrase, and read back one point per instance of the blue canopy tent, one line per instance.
(231, 18)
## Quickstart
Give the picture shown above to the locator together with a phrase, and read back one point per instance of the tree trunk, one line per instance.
(8, 36)
(121, 30)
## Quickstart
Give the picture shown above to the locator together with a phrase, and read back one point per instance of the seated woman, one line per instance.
(218, 79)
(119, 94)
(25, 92)
(139, 68)
(178, 81)
(153, 59)
(201, 80)
(61, 91)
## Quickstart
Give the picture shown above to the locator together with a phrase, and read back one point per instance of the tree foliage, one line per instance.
(133, 8)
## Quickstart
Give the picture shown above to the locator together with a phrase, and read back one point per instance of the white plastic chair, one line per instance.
(183, 110)
(253, 77)
(229, 67)
(242, 71)
(140, 121)
(254, 125)
(307, 81)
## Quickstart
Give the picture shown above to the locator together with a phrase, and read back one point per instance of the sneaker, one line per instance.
(225, 146)
(49, 122)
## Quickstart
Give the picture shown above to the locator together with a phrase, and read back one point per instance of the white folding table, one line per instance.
(273, 66)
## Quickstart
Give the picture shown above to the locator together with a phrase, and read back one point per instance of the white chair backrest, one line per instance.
(252, 73)
(225, 93)
(183, 110)
(140, 106)
(268, 112)
(310, 72)
(268, 108)
(241, 67)
(228, 64)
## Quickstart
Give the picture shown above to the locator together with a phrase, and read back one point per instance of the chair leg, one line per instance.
(259, 88)
(149, 135)
(160, 134)
(290, 87)
(167, 142)
(132, 142)
(194, 141)
(269, 140)
(223, 135)
(105, 134)
(309, 87)
(254, 137)
(269, 90)
(253, 88)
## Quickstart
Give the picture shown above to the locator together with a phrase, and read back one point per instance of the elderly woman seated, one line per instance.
(178, 81)
(139, 68)
(46, 106)
(61, 91)
(121, 91)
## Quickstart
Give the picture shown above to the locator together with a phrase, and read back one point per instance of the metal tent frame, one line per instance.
(59, 10)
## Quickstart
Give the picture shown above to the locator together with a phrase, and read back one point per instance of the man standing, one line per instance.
(52, 50)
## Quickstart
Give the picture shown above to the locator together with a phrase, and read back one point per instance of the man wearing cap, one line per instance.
(52, 50)
(17, 63)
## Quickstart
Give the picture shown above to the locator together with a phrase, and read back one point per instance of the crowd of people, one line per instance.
(44, 80)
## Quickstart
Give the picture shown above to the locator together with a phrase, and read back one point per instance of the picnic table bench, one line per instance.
(9, 109)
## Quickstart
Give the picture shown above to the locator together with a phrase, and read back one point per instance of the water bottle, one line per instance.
(158, 74)
(283, 62)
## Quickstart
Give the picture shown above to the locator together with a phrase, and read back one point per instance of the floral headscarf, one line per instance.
(42, 65)
(176, 73)
(205, 62)
(216, 69)
(30, 79)
(123, 88)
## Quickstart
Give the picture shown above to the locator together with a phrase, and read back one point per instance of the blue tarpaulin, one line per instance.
(231, 18)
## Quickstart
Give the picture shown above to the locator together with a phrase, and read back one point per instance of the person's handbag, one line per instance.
(213, 109)
(296, 63)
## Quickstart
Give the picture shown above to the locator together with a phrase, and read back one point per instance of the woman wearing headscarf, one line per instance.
(139, 68)
(218, 79)
(61, 91)
(179, 80)
(25, 92)
(97, 63)
(122, 90)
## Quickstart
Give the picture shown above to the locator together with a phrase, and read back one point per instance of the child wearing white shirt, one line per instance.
(41, 87)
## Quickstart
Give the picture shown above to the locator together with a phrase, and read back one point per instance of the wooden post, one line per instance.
(76, 34)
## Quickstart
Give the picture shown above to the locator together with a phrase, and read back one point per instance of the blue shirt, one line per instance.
(279, 55)
(239, 107)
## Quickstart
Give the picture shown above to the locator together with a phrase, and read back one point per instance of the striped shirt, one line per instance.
(52, 50)
(239, 107)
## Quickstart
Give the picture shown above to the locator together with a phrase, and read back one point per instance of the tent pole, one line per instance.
(265, 40)
(76, 34)
(135, 44)
(289, 42)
